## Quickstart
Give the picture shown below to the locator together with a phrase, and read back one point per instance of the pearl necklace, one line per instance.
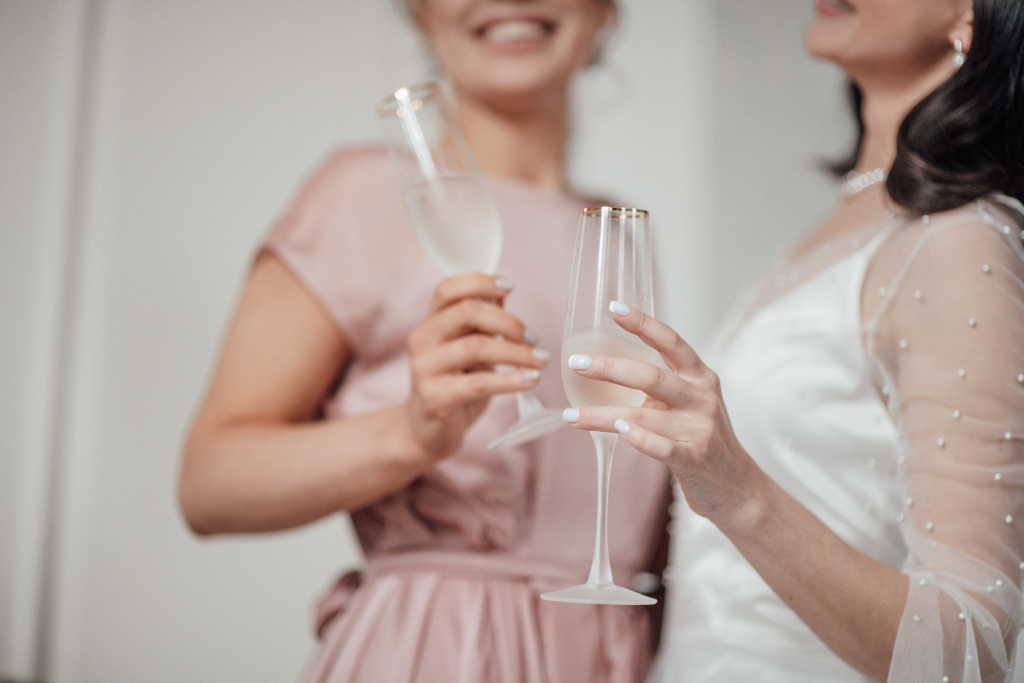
(855, 183)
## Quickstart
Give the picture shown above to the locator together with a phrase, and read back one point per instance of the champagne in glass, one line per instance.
(452, 211)
(456, 223)
(590, 392)
(611, 262)
(449, 203)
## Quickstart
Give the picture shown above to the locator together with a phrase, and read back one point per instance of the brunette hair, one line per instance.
(966, 139)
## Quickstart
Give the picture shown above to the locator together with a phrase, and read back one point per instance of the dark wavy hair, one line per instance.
(966, 139)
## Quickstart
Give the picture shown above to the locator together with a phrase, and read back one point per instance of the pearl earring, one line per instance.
(958, 58)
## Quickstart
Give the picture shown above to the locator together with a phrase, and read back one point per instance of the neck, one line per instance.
(525, 144)
(884, 108)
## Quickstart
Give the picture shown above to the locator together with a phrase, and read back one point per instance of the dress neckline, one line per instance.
(748, 313)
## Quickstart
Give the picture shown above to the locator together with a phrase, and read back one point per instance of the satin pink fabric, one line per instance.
(457, 559)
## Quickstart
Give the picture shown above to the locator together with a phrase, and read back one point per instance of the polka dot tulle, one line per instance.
(941, 307)
(946, 341)
(877, 375)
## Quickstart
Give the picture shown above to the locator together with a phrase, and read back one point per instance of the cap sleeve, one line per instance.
(348, 240)
(947, 343)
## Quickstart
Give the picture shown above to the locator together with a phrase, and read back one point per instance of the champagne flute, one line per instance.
(611, 262)
(452, 211)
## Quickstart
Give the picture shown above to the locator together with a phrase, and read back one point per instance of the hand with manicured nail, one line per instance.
(452, 355)
(683, 421)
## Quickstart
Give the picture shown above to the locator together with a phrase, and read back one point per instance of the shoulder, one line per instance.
(351, 171)
(954, 255)
(349, 190)
(347, 161)
(977, 230)
(977, 234)
(954, 266)
(347, 187)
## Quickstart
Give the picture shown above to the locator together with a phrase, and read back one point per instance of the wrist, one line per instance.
(753, 512)
(402, 447)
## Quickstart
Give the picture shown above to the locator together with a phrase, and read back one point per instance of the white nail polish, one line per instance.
(622, 427)
(505, 284)
(541, 354)
(530, 337)
(570, 415)
(619, 308)
(531, 375)
(579, 362)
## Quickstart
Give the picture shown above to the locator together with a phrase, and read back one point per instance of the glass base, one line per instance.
(529, 427)
(599, 594)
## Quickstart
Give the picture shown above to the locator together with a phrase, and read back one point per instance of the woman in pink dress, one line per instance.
(350, 380)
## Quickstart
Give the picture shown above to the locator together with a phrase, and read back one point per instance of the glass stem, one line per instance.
(527, 403)
(601, 568)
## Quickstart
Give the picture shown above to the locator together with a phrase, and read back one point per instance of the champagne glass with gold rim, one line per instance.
(611, 263)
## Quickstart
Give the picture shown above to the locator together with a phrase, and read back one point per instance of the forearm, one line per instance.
(852, 603)
(262, 476)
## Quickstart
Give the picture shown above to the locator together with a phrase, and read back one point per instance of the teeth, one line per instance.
(514, 30)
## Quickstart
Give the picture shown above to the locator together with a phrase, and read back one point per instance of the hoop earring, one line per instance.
(958, 58)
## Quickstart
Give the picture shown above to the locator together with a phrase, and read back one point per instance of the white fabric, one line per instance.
(844, 384)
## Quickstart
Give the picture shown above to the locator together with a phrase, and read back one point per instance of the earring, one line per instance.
(598, 46)
(958, 58)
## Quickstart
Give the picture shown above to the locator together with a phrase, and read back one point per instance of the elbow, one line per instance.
(193, 495)
(190, 502)
(193, 511)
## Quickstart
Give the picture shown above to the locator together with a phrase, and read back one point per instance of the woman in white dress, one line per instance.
(853, 468)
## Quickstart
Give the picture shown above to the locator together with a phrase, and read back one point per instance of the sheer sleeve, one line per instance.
(944, 308)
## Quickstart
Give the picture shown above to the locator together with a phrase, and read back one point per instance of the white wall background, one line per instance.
(145, 147)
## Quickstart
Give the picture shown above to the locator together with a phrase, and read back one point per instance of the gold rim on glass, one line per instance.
(616, 212)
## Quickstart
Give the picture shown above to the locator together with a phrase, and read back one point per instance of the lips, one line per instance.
(838, 6)
(515, 30)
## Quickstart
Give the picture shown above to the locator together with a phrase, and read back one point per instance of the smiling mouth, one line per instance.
(516, 30)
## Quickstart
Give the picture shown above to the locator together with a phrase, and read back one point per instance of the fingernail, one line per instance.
(570, 415)
(579, 362)
(530, 337)
(619, 308)
(505, 284)
(622, 427)
(541, 354)
(531, 375)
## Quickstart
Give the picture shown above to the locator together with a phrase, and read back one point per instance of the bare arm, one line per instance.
(256, 459)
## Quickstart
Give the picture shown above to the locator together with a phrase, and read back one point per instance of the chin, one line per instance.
(822, 40)
(518, 95)
(519, 84)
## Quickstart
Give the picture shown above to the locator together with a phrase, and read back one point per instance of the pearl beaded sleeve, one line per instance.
(943, 304)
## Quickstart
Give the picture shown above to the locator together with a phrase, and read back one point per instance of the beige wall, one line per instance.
(144, 149)
(777, 113)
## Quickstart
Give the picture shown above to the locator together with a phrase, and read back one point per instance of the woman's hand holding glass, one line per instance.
(452, 211)
(683, 421)
(611, 262)
(452, 356)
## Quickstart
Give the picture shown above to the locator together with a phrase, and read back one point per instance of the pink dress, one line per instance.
(457, 560)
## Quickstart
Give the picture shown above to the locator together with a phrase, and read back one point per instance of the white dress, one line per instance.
(884, 390)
